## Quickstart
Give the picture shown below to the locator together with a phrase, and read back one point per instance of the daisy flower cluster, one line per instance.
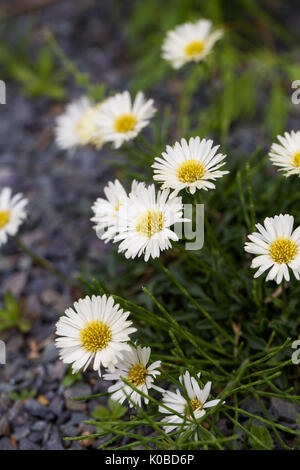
(141, 221)
(277, 243)
(96, 332)
(116, 119)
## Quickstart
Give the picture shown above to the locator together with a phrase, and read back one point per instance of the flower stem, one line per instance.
(96, 92)
(283, 291)
(44, 263)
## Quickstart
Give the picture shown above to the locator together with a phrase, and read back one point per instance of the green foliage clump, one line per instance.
(11, 315)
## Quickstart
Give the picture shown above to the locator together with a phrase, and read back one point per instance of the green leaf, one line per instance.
(23, 395)
(101, 413)
(117, 410)
(45, 62)
(263, 435)
(256, 342)
(70, 378)
(24, 326)
(112, 412)
(276, 111)
(11, 304)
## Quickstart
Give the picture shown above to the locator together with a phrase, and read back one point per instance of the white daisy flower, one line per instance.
(196, 403)
(95, 329)
(120, 120)
(106, 210)
(12, 213)
(133, 367)
(144, 222)
(286, 155)
(76, 126)
(277, 247)
(190, 165)
(189, 42)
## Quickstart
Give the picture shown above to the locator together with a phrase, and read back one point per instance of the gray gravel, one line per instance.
(60, 189)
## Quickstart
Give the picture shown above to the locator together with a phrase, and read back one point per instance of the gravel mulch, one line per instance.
(60, 189)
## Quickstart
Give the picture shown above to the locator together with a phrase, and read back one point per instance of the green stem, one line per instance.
(250, 195)
(44, 263)
(283, 291)
(81, 79)
(193, 301)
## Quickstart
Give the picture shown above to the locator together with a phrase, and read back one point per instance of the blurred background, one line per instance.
(242, 97)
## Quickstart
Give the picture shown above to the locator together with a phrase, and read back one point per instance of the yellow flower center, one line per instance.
(137, 374)
(194, 48)
(296, 159)
(195, 404)
(95, 336)
(125, 123)
(283, 250)
(85, 127)
(4, 218)
(190, 171)
(117, 206)
(149, 223)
